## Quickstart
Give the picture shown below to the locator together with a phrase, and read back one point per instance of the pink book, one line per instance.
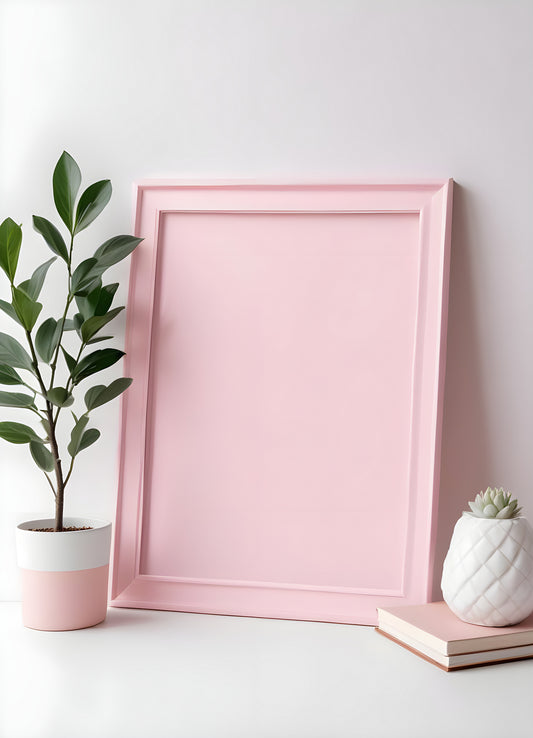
(435, 627)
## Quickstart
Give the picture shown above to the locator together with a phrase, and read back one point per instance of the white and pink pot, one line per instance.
(64, 575)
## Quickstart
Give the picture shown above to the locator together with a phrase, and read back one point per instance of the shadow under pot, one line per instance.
(65, 574)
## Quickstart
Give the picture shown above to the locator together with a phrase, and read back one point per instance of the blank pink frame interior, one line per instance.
(280, 441)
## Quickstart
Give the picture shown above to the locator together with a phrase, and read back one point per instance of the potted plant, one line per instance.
(487, 577)
(64, 561)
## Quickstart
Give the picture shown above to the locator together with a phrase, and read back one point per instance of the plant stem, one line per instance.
(53, 440)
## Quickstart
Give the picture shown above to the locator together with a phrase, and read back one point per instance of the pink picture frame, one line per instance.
(281, 439)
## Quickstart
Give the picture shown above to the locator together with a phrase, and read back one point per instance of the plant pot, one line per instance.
(64, 575)
(487, 578)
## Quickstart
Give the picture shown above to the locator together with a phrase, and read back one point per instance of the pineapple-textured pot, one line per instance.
(487, 577)
(64, 575)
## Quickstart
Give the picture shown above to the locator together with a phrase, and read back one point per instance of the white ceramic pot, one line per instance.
(64, 575)
(487, 577)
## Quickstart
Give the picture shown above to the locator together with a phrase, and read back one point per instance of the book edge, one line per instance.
(455, 667)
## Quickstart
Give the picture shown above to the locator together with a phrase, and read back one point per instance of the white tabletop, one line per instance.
(151, 674)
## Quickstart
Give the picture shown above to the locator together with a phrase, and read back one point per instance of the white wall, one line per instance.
(342, 89)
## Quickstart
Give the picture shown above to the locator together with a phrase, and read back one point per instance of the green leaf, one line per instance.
(78, 321)
(66, 183)
(96, 362)
(115, 249)
(98, 339)
(87, 288)
(12, 353)
(76, 435)
(33, 286)
(83, 275)
(52, 236)
(91, 326)
(70, 360)
(88, 438)
(8, 308)
(101, 394)
(68, 325)
(27, 309)
(42, 456)
(46, 426)
(46, 339)
(10, 243)
(15, 399)
(17, 433)
(9, 375)
(91, 203)
(60, 397)
(98, 301)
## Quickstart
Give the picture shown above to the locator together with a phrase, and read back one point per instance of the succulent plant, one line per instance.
(494, 503)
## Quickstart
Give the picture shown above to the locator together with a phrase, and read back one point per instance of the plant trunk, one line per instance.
(59, 501)
(60, 491)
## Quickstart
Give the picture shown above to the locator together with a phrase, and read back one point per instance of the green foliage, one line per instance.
(66, 183)
(91, 204)
(52, 236)
(10, 243)
(16, 399)
(46, 396)
(9, 375)
(101, 394)
(47, 338)
(60, 396)
(17, 432)
(95, 362)
(42, 456)
(27, 310)
(12, 353)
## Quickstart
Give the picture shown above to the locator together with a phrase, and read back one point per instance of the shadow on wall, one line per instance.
(465, 448)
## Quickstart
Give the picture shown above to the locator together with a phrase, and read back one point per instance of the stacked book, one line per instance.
(435, 634)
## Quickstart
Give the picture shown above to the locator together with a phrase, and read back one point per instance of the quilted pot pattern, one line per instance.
(487, 577)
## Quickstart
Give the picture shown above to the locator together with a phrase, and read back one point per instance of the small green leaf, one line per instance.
(83, 275)
(17, 433)
(91, 326)
(47, 338)
(52, 236)
(101, 394)
(15, 399)
(8, 308)
(12, 353)
(42, 456)
(76, 435)
(10, 243)
(92, 285)
(91, 204)
(26, 309)
(115, 249)
(66, 183)
(9, 375)
(33, 286)
(98, 301)
(68, 325)
(88, 438)
(70, 360)
(98, 339)
(60, 397)
(96, 362)
(46, 426)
